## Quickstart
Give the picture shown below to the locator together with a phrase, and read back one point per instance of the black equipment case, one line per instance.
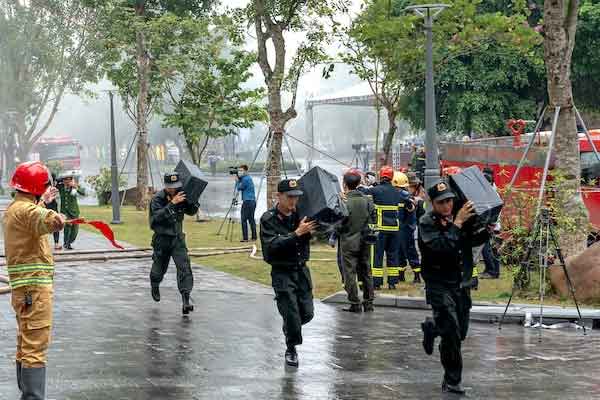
(191, 177)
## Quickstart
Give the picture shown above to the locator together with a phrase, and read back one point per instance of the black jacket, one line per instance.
(280, 246)
(446, 251)
(166, 218)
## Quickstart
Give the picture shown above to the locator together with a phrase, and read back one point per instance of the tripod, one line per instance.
(229, 219)
(543, 230)
(545, 238)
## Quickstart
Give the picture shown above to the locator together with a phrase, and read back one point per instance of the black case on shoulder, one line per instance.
(321, 200)
(471, 185)
(191, 177)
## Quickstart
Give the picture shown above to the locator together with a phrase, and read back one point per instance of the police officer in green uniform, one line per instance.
(447, 263)
(167, 210)
(285, 243)
(69, 206)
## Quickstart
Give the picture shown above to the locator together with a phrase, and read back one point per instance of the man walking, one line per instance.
(285, 243)
(447, 252)
(30, 265)
(355, 251)
(167, 210)
(246, 186)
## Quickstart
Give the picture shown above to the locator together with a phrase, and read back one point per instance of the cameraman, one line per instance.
(447, 259)
(245, 185)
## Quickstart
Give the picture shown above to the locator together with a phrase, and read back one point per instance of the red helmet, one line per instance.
(31, 177)
(452, 170)
(386, 172)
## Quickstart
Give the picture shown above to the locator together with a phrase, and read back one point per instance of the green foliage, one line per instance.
(207, 73)
(47, 48)
(487, 61)
(586, 59)
(102, 185)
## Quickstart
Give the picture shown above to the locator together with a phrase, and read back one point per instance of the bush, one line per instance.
(102, 183)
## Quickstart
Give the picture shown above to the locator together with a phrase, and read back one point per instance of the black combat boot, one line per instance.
(291, 357)
(429, 334)
(156, 293)
(187, 306)
(456, 389)
(417, 278)
(354, 308)
(19, 376)
(33, 381)
(368, 307)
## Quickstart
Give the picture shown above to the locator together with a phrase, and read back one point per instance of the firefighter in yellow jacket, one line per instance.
(30, 264)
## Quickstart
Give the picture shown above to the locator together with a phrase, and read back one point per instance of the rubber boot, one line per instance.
(19, 376)
(429, 333)
(354, 308)
(456, 389)
(291, 357)
(417, 278)
(33, 381)
(187, 306)
(401, 277)
(156, 293)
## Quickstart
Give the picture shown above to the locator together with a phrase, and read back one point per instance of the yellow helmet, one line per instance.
(400, 180)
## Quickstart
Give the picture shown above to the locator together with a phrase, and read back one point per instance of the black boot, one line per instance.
(401, 277)
(354, 308)
(187, 306)
(19, 376)
(156, 293)
(429, 334)
(417, 278)
(368, 307)
(291, 357)
(456, 389)
(33, 381)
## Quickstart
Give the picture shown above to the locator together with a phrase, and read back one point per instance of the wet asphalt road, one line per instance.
(111, 341)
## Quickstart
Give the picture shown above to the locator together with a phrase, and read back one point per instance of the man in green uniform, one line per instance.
(355, 251)
(285, 243)
(69, 206)
(167, 210)
(447, 262)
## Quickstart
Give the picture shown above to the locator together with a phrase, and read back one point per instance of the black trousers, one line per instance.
(247, 216)
(451, 309)
(491, 260)
(166, 247)
(293, 294)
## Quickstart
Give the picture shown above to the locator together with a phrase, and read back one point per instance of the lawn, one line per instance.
(326, 277)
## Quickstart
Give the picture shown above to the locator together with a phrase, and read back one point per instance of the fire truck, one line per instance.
(503, 154)
(61, 149)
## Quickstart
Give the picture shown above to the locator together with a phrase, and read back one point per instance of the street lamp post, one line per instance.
(432, 164)
(114, 172)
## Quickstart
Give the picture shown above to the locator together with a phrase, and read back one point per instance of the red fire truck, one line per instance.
(62, 149)
(502, 155)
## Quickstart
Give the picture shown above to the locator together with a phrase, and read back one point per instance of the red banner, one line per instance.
(101, 226)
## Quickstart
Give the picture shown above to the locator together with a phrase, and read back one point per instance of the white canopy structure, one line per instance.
(359, 95)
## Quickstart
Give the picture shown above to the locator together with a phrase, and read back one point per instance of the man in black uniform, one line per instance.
(447, 262)
(285, 243)
(167, 211)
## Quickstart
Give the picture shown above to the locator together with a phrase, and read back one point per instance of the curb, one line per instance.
(485, 312)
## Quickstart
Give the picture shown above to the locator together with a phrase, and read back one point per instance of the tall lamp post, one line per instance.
(432, 164)
(114, 172)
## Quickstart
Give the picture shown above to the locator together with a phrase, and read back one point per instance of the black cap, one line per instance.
(291, 187)
(440, 190)
(172, 181)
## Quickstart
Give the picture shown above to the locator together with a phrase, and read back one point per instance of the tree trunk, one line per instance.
(560, 22)
(389, 138)
(142, 112)
(274, 166)
(202, 149)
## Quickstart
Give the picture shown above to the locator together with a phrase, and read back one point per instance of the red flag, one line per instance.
(101, 226)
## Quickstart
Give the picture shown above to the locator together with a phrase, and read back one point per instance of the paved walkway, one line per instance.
(111, 341)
